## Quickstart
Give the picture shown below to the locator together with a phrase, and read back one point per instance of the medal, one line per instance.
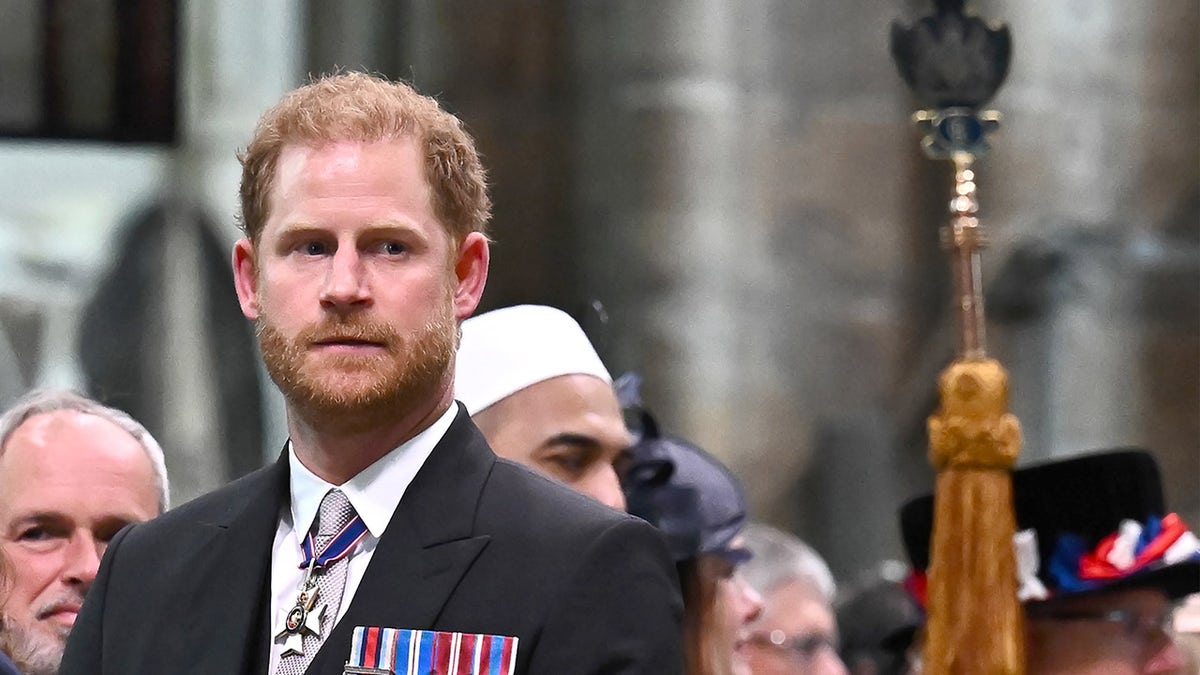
(306, 615)
(301, 619)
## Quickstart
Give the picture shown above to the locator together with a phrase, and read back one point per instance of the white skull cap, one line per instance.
(505, 350)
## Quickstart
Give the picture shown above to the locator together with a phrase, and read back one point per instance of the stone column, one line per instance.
(667, 234)
(237, 59)
(739, 171)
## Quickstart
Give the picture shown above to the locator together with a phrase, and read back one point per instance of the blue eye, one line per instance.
(313, 248)
(393, 248)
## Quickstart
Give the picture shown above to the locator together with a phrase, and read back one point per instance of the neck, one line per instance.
(336, 456)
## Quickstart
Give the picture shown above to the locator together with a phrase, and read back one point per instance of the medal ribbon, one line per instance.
(337, 547)
(374, 649)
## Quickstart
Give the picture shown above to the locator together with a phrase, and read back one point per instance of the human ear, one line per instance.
(470, 271)
(245, 279)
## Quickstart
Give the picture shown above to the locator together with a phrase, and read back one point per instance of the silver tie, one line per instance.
(334, 514)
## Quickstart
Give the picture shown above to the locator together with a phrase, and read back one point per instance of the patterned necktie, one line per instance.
(333, 516)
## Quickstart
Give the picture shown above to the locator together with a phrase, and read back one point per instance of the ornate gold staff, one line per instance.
(955, 63)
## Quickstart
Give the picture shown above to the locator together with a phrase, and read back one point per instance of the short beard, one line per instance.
(33, 652)
(355, 394)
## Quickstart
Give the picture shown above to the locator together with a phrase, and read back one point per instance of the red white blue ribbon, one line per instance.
(1072, 568)
(422, 652)
(1134, 547)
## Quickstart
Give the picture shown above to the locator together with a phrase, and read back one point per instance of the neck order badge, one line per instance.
(391, 651)
(306, 615)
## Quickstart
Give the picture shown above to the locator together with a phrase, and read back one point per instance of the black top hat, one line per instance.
(687, 494)
(1081, 509)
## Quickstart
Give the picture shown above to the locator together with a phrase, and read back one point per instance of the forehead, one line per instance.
(66, 451)
(796, 606)
(570, 393)
(1143, 599)
(570, 403)
(391, 165)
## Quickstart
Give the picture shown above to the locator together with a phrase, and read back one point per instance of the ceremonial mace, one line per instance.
(955, 63)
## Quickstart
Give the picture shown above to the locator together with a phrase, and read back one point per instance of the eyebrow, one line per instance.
(378, 226)
(594, 447)
(39, 516)
(56, 516)
(575, 439)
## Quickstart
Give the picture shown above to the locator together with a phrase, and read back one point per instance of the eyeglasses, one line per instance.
(805, 646)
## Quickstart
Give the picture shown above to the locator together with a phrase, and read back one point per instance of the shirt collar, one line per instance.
(376, 491)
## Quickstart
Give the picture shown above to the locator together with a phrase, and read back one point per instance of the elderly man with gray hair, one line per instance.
(73, 472)
(796, 633)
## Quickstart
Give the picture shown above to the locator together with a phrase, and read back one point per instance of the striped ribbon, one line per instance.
(422, 652)
(337, 547)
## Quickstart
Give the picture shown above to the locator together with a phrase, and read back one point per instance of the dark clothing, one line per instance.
(477, 544)
(7, 667)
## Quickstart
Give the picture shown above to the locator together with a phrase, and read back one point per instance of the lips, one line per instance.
(348, 335)
(347, 342)
(64, 613)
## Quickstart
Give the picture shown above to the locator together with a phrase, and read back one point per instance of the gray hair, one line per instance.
(39, 402)
(780, 558)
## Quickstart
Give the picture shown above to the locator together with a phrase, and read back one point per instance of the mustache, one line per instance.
(353, 330)
(66, 601)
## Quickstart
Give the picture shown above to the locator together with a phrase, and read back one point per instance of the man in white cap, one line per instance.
(533, 383)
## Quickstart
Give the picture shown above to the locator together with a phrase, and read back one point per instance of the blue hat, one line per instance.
(686, 493)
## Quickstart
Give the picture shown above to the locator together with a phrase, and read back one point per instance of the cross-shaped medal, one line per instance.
(301, 620)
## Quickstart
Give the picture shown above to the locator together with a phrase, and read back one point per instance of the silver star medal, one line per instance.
(302, 619)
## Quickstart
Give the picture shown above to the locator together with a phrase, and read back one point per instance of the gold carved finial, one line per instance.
(973, 428)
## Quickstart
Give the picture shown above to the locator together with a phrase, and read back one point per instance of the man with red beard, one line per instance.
(388, 538)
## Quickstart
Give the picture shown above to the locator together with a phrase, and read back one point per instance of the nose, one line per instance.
(82, 561)
(346, 284)
(606, 487)
(829, 663)
(1168, 659)
(751, 602)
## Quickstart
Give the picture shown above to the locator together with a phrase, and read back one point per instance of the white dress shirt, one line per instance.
(374, 493)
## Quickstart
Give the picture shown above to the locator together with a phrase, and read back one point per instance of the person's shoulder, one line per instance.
(217, 508)
(514, 489)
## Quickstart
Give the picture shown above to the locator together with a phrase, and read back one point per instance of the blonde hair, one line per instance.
(361, 107)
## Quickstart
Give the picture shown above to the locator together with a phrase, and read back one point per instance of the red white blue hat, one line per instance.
(1092, 523)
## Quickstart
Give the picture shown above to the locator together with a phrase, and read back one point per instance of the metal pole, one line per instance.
(974, 625)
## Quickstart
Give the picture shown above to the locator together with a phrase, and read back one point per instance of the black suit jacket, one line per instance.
(477, 544)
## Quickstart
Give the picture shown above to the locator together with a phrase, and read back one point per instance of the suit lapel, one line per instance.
(230, 580)
(428, 545)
